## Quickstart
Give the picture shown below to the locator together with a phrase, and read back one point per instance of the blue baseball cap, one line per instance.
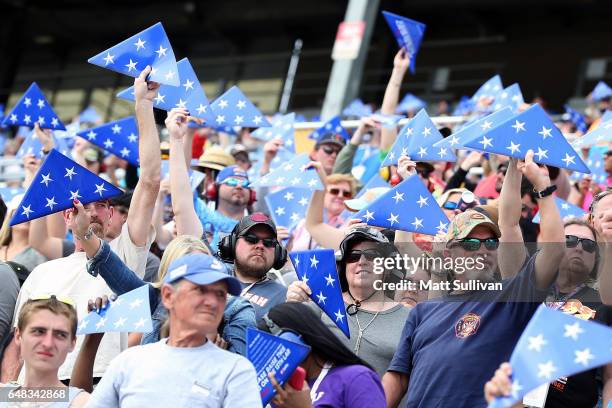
(201, 269)
(231, 171)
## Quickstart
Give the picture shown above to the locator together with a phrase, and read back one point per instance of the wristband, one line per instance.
(87, 236)
(546, 192)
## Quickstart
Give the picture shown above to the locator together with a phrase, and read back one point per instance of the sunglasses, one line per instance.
(337, 191)
(254, 239)
(330, 150)
(63, 299)
(450, 205)
(571, 241)
(234, 182)
(355, 255)
(474, 244)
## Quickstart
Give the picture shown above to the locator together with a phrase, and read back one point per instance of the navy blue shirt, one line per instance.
(451, 346)
(264, 295)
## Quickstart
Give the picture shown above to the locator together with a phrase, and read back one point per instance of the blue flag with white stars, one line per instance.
(606, 116)
(531, 129)
(119, 137)
(189, 95)
(510, 97)
(555, 345)
(317, 268)
(90, 115)
(32, 145)
(234, 109)
(410, 103)
(130, 312)
(566, 210)
(149, 47)
(282, 128)
(332, 125)
(57, 183)
(489, 89)
(601, 91)
(464, 106)
(288, 206)
(388, 121)
(408, 33)
(292, 174)
(577, 119)
(408, 206)
(33, 108)
(475, 129)
(357, 108)
(595, 161)
(416, 140)
(601, 134)
(372, 185)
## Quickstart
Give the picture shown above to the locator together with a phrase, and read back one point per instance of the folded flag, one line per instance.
(408, 206)
(119, 137)
(555, 345)
(33, 108)
(408, 33)
(57, 183)
(288, 206)
(388, 121)
(531, 129)
(317, 268)
(367, 194)
(332, 125)
(464, 106)
(282, 129)
(416, 140)
(130, 312)
(577, 119)
(292, 174)
(410, 103)
(475, 129)
(566, 210)
(148, 47)
(234, 109)
(32, 145)
(279, 355)
(489, 89)
(601, 91)
(357, 108)
(189, 95)
(90, 115)
(510, 97)
(601, 134)
(595, 161)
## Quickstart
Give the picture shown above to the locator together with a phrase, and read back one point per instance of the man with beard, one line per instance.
(231, 195)
(254, 249)
(451, 345)
(68, 277)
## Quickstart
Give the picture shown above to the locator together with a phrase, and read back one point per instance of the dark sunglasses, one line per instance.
(337, 191)
(330, 150)
(474, 244)
(571, 241)
(254, 239)
(234, 182)
(355, 255)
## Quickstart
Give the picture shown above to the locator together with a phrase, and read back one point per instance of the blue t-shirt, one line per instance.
(450, 347)
(213, 222)
(264, 295)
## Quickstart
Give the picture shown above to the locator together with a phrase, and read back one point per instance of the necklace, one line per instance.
(361, 331)
(353, 308)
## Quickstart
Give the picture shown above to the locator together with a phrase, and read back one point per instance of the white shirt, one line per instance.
(68, 277)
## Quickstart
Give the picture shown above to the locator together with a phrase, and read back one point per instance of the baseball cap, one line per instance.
(465, 222)
(372, 194)
(202, 269)
(251, 220)
(238, 150)
(215, 158)
(231, 171)
(330, 138)
(91, 155)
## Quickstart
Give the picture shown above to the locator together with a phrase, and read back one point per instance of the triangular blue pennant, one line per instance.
(531, 129)
(408, 206)
(464, 106)
(119, 137)
(357, 109)
(317, 268)
(595, 162)
(148, 47)
(601, 134)
(511, 97)
(566, 210)
(234, 109)
(90, 115)
(292, 174)
(332, 125)
(408, 33)
(577, 119)
(282, 128)
(57, 183)
(410, 103)
(288, 206)
(33, 108)
(32, 145)
(490, 89)
(601, 91)
(273, 354)
(130, 312)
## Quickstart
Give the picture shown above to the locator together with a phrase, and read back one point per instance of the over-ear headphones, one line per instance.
(211, 192)
(227, 249)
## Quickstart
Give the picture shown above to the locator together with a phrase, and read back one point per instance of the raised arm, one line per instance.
(551, 226)
(145, 193)
(162, 235)
(512, 251)
(605, 271)
(401, 62)
(185, 216)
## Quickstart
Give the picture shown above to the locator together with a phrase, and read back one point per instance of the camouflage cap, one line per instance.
(465, 222)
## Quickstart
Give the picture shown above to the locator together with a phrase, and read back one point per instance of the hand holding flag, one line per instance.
(145, 90)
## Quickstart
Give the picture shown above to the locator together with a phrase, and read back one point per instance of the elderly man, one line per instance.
(450, 346)
(185, 369)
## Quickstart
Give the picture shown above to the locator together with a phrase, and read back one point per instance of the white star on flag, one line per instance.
(69, 173)
(161, 52)
(125, 152)
(313, 262)
(135, 303)
(418, 223)
(131, 66)
(188, 85)
(321, 298)
(108, 143)
(545, 132)
(583, 356)
(100, 188)
(514, 147)
(27, 210)
(573, 330)
(339, 316)
(46, 179)
(139, 44)
(159, 99)
(50, 203)
(91, 135)
(398, 196)
(109, 59)
(280, 211)
(27, 102)
(545, 370)
(40, 104)
(519, 126)
(422, 201)
(240, 104)
(330, 280)
(369, 215)
(536, 342)
(393, 218)
(74, 195)
(116, 129)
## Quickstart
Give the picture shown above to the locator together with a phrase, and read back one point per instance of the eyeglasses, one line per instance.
(329, 150)
(234, 182)
(337, 191)
(571, 241)
(254, 239)
(474, 244)
(63, 299)
(355, 255)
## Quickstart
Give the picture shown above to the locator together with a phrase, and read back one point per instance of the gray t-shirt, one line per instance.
(30, 258)
(158, 375)
(9, 289)
(264, 295)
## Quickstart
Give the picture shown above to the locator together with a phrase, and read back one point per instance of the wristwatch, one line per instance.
(546, 192)
(87, 236)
